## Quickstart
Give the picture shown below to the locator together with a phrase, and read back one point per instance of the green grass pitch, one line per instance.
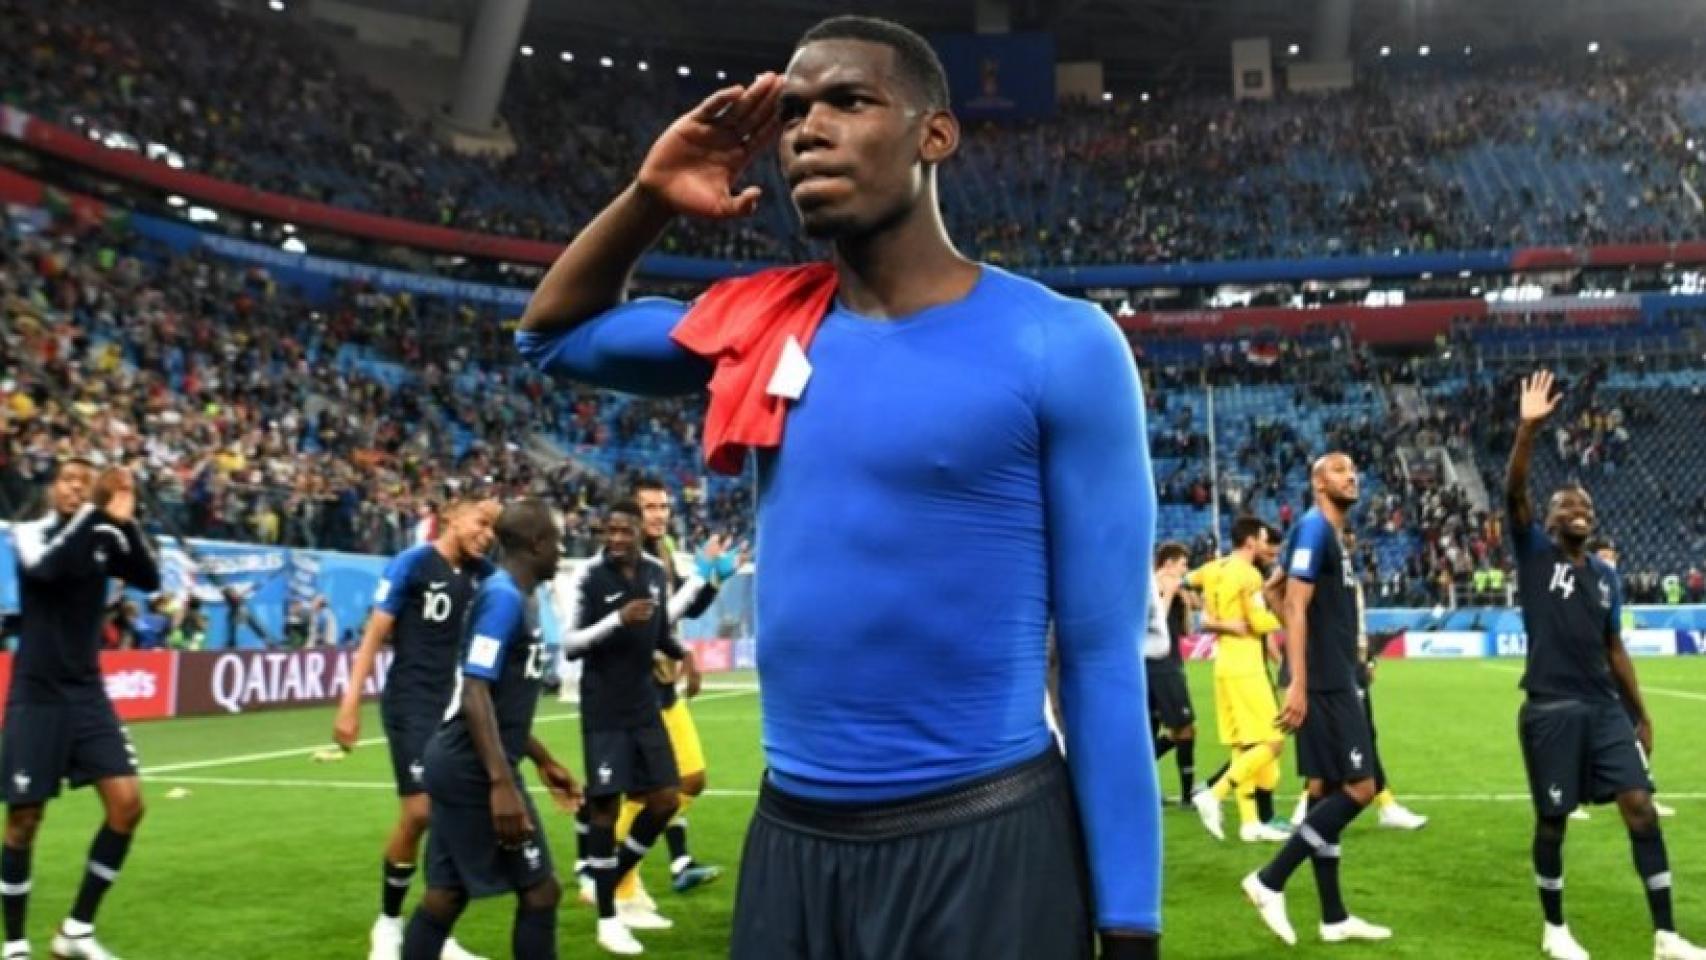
(270, 855)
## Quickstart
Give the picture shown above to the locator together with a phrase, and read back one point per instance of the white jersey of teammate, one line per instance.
(1156, 643)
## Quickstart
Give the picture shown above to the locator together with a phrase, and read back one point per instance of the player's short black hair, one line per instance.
(522, 522)
(914, 59)
(628, 507)
(1275, 535)
(1245, 527)
(650, 481)
(1170, 551)
(75, 461)
(463, 501)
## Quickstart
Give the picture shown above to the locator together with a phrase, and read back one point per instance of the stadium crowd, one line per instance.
(224, 391)
(239, 403)
(1400, 163)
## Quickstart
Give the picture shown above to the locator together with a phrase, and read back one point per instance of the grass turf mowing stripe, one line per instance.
(1645, 689)
(370, 741)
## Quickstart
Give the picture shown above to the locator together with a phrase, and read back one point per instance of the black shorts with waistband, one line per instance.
(993, 870)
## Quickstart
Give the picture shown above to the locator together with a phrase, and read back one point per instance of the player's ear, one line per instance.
(939, 136)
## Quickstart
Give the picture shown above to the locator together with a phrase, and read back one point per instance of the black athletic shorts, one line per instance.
(634, 760)
(463, 851)
(1170, 700)
(44, 744)
(994, 870)
(1336, 743)
(408, 729)
(1579, 752)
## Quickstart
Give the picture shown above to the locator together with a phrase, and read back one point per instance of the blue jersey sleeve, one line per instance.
(626, 348)
(1308, 547)
(1101, 532)
(392, 594)
(497, 616)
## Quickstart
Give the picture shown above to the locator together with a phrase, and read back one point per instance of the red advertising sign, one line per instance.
(1411, 322)
(142, 684)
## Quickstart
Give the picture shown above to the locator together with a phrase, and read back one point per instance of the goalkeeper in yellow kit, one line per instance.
(1244, 705)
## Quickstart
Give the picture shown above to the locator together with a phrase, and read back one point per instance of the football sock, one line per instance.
(396, 887)
(1654, 867)
(106, 858)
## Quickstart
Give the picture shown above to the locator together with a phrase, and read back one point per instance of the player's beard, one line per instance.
(1572, 539)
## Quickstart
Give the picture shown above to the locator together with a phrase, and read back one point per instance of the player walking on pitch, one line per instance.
(419, 608)
(485, 837)
(1335, 746)
(1578, 742)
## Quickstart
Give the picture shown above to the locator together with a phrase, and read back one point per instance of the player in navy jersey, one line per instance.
(419, 608)
(619, 621)
(963, 462)
(60, 725)
(1578, 741)
(1335, 745)
(486, 838)
(689, 597)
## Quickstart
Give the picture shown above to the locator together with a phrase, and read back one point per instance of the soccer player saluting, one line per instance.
(963, 445)
(485, 837)
(1578, 742)
(420, 608)
(59, 723)
(1335, 747)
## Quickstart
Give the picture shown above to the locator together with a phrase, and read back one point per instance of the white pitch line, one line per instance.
(350, 784)
(370, 741)
(1645, 689)
(304, 783)
(1663, 795)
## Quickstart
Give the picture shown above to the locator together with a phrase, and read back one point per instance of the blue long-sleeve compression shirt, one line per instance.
(947, 483)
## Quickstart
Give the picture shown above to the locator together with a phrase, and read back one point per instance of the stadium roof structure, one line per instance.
(1143, 44)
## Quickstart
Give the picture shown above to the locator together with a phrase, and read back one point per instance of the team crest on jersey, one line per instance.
(21, 780)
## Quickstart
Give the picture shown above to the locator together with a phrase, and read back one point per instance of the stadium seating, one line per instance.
(1496, 159)
(258, 414)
